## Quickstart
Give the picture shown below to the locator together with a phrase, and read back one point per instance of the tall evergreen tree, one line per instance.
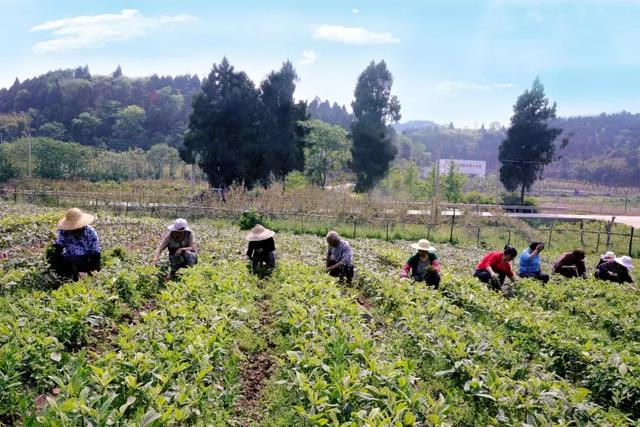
(373, 107)
(282, 137)
(529, 146)
(223, 134)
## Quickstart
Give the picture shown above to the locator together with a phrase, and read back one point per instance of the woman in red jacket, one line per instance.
(495, 266)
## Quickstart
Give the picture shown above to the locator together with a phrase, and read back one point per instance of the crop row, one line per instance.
(561, 341)
(483, 374)
(336, 366)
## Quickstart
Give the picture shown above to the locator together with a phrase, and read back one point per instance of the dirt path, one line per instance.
(255, 371)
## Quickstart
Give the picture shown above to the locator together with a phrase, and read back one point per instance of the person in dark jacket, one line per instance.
(617, 270)
(262, 249)
(607, 256)
(76, 250)
(423, 265)
(571, 264)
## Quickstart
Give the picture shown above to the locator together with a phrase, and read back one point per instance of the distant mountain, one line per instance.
(603, 149)
(414, 125)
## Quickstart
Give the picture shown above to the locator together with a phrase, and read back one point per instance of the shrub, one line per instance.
(249, 219)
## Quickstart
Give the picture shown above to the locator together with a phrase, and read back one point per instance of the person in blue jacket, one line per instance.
(530, 263)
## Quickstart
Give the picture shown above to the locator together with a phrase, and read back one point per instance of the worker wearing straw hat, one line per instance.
(77, 247)
(616, 270)
(423, 265)
(261, 250)
(181, 245)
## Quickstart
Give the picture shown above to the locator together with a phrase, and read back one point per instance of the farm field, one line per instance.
(219, 346)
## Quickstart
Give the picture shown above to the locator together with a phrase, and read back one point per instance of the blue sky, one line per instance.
(457, 60)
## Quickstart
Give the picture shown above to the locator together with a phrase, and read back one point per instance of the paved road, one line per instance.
(631, 221)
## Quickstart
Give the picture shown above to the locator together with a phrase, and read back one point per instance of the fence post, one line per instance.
(387, 230)
(509, 238)
(478, 239)
(453, 220)
(550, 232)
(354, 227)
(598, 241)
(631, 241)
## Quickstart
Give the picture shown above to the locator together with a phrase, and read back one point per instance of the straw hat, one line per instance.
(259, 233)
(179, 224)
(75, 219)
(423, 245)
(625, 261)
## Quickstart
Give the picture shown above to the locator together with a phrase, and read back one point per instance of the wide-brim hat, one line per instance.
(179, 224)
(423, 245)
(75, 219)
(259, 233)
(624, 261)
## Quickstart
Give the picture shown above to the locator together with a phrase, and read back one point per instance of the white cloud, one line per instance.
(89, 31)
(308, 57)
(355, 11)
(536, 15)
(454, 87)
(352, 35)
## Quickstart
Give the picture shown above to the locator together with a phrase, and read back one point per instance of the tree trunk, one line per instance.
(324, 180)
(522, 195)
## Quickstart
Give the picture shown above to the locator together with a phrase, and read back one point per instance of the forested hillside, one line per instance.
(117, 112)
(113, 111)
(603, 149)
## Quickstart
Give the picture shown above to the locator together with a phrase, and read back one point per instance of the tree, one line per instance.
(85, 128)
(327, 150)
(282, 137)
(7, 169)
(163, 110)
(529, 145)
(223, 129)
(452, 184)
(157, 157)
(373, 106)
(55, 130)
(129, 127)
(117, 72)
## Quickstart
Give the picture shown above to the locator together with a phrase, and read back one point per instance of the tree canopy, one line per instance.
(73, 104)
(373, 108)
(240, 133)
(529, 145)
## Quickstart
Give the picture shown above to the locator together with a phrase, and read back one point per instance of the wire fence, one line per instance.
(443, 225)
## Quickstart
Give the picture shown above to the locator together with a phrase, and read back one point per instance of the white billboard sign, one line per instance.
(467, 167)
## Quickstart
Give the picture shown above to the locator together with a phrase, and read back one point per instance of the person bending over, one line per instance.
(76, 250)
(495, 266)
(423, 265)
(530, 263)
(571, 264)
(181, 245)
(339, 257)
